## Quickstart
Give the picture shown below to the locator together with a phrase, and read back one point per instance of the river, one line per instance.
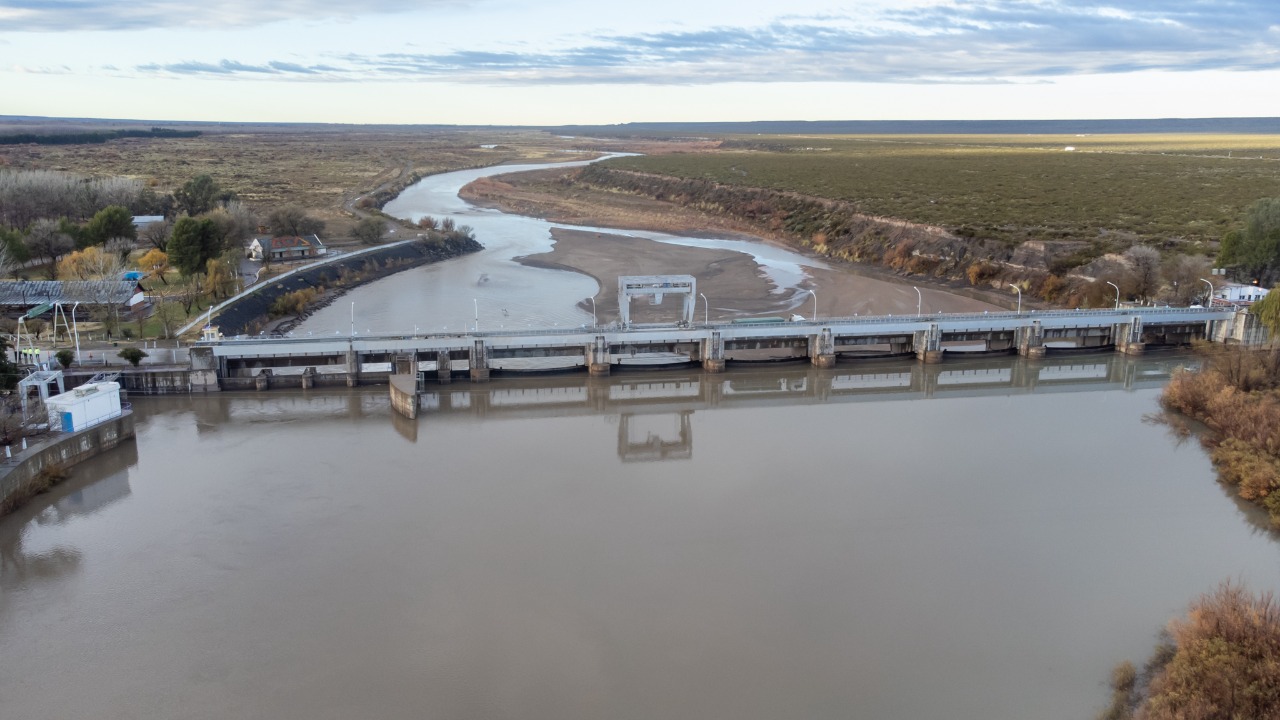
(490, 284)
(980, 540)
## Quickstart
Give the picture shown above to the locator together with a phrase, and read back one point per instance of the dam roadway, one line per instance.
(262, 362)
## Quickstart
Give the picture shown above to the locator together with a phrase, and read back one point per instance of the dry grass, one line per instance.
(317, 170)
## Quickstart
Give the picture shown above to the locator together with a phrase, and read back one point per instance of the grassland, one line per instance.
(1148, 188)
(270, 167)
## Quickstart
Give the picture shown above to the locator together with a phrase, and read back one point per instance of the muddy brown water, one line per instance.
(639, 547)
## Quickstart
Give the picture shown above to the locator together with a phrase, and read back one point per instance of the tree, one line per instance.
(369, 230)
(235, 223)
(65, 357)
(1144, 270)
(169, 314)
(8, 370)
(154, 263)
(132, 354)
(91, 263)
(1268, 311)
(1183, 273)
(157, 234)
(121, 247)
(293, 220)
(218, 277)
(113, 221)
(1253, 252)
(193, 243)
(200, 194)
(47, 241)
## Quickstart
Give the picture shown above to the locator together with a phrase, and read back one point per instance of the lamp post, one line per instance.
(1117, 287)
(815, 304)
(706, 310)
(919, 300)
(353, 318)
(595, 322)
(1015, 287)
(1209, 303)
(476, 303)
(75, 330)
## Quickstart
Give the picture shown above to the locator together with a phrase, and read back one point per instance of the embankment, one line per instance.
(603, 196)
(250, 313)
(33, 470)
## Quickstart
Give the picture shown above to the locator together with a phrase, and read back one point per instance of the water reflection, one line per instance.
(82, 495)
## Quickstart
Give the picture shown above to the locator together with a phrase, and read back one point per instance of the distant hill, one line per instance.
(1230, 126)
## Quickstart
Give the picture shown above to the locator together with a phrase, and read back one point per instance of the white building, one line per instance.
(1239, 293)
(84, 406)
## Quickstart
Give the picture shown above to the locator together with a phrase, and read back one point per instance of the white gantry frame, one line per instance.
(655, 287)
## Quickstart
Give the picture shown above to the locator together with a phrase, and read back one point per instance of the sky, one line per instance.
(554, 62)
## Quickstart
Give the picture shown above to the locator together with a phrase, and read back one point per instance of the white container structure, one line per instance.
(84, 406)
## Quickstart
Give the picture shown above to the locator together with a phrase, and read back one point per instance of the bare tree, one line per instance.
(47, 241)
(1183, 274)
(1144, 270)
(157, 234)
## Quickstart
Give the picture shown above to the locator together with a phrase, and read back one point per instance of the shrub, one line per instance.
(65, 357)
(132, 354)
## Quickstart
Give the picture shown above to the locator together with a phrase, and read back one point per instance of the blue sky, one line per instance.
(572, 61)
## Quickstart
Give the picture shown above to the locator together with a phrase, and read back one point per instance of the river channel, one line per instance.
(977, 540)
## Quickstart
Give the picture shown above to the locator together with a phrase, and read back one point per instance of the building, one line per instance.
(1234, 293)
(142, 222)
(84, 406)
(35, 297)
(286, 247)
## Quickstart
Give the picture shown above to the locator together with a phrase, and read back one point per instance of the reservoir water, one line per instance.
(979, 540)
(766, 543)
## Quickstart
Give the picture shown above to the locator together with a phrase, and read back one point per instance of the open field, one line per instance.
(1150, 188)
(270, 167)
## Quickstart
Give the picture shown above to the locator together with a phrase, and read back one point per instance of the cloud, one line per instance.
(64, 15)
(970, 42)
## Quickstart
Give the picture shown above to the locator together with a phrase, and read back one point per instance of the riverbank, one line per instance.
(37, 468)
(857, 287)
(731, 281)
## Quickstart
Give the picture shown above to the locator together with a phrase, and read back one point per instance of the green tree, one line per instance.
(1268, 311)
(132, 354)
(65, 357)
(112, 221)
(200, 195)
(1253, 252)
(369, 230)
(193, 243)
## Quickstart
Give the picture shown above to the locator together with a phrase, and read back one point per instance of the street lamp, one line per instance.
(1206, 282)
(595, 322)
(706, 310)
(75, 330)
(815, 304)
(1117, 287)
(477, 306)
(1015, 287)
(919, 300)
(353, 318)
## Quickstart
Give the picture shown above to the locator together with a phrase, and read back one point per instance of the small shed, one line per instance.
(84, 406)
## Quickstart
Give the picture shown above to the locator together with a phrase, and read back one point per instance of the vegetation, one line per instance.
(1237, 397)
(1220, 662)
(65, 357)
(370, 230)
(1149, 188)
(132, 354)
(1254, 250)
(80, 138)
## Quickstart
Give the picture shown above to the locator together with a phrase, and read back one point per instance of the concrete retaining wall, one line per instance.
(62, 450)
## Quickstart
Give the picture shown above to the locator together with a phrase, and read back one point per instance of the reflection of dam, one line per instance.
(643, 393)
